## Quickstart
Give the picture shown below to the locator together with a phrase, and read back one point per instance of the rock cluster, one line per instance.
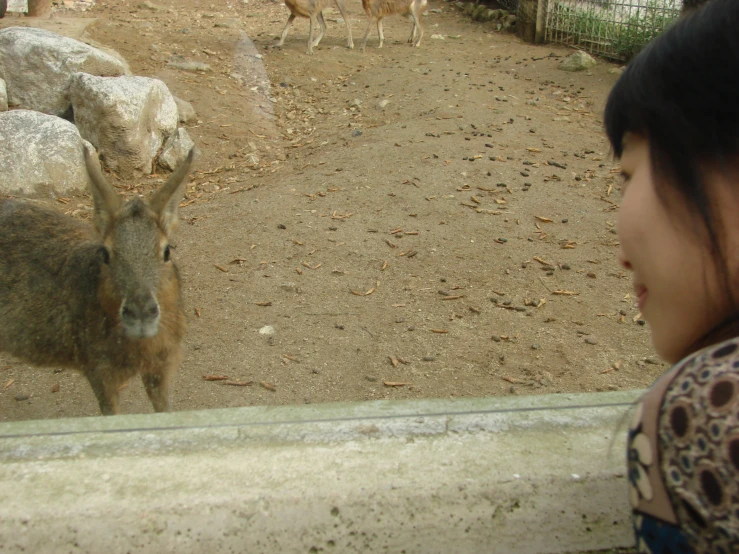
(502, 20)
(61, 92)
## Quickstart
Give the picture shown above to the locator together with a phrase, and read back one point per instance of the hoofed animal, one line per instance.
(377, 9)
(313, 9)
(104, 300)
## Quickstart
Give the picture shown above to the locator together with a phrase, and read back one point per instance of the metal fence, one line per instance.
(510, 5)
(615, 29)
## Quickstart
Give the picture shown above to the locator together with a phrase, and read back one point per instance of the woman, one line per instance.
(673, 120)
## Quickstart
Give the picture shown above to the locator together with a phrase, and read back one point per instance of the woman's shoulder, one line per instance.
(698, 443)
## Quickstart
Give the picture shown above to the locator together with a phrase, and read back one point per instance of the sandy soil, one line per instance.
(406, 223)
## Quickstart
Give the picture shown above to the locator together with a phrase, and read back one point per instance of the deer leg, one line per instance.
(322, 30)
(342, 9)
(379, 32)
(366, 34)
(416, 25)
(284, 31)
(313, 23)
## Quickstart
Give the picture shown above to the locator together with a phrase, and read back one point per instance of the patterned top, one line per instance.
(683, 456)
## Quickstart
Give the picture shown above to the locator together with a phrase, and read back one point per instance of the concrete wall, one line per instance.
(525, 475)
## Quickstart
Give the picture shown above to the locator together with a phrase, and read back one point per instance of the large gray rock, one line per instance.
(3, 96)
(126, 118)
(186, 111)
(40, 155)
(176, 149)
(38, 65)
(577, 62)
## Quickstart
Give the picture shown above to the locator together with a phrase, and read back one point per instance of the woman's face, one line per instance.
(675, 278)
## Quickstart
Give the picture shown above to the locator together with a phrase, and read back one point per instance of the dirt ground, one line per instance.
(401, 223)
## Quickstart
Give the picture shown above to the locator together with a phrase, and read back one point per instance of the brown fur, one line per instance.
(63, 300)
(312, 9)
(377, 9)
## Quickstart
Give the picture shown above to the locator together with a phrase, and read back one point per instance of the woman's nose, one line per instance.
(625, 263)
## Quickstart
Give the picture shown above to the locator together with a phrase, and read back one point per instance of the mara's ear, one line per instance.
(105, 201)
(164, 202)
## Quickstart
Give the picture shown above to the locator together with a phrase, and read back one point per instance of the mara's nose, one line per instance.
(139, 309)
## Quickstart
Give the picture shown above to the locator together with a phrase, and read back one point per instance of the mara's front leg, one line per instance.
(105, 387)
(157, 382)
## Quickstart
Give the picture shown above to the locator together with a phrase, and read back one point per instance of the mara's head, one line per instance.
(137, 267)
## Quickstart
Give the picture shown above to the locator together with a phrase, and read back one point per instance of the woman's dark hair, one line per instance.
(682, 94)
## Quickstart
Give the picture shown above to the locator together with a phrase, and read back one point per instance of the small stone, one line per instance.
(228, 23)
(281, 226)
(590, 341)
(189, 65)
(150, 6)
(289, 287)
(577, 62)
(21, 397)
(495, 338)
(382, 104)
(332, 228)
(535, 347)
(429, 358)
(565, 220)
(356, 133)
(371, 378)
(339, 327)
(267, 330)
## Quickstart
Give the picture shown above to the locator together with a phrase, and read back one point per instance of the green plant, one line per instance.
(600, 29)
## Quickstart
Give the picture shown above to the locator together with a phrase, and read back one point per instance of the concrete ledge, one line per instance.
(526, 475)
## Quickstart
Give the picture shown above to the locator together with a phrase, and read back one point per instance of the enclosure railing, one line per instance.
(615, 29)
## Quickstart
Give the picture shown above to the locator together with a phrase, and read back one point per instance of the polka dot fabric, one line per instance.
(698, 437)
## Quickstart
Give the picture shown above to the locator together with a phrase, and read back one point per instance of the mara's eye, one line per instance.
(105, 255)
(166, 253)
